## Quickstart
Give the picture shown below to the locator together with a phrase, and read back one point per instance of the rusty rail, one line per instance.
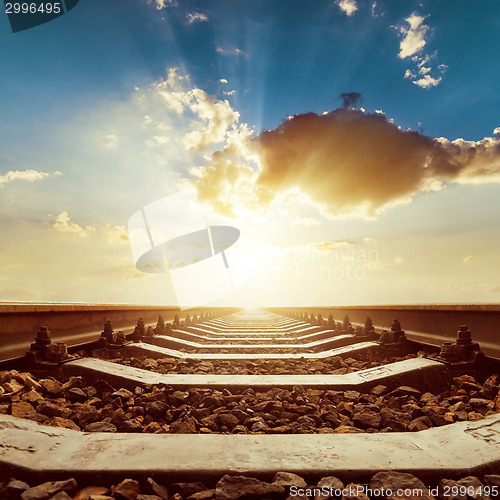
(79, 323)
(75, 323)
(430, 324)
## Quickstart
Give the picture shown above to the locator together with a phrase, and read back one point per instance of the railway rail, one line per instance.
(253, 403)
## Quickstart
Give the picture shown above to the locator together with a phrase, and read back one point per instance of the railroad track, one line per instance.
(252, 403)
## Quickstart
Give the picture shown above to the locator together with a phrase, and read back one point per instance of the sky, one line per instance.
(355, 146)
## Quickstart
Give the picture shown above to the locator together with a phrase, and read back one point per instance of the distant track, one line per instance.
(74, 324)
(429, 324)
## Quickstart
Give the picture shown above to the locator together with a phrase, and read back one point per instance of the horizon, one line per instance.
(235, 306)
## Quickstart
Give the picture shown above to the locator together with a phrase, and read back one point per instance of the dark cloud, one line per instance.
(350, 99)
(346, 161)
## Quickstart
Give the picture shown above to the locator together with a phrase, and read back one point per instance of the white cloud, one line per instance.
(108, 232)
(347, 6)
(496, 131)
(427, 81)
(196, 17)
(230, 52)
(64, 225)
(174, 117)
(25, 175)
(113, 233)
(376, 10)
(172, 92)
(158, 141)
(161, 4)
(413, 36)
(328, 246)
(176, 114)
(468, 259)
(111, 141)
(216, 116)
(224, 82)
(413, 41)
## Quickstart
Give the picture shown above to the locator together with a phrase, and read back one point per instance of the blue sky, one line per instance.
(294, 58)
(117, 103)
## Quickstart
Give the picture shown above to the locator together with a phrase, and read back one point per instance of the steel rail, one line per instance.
(428, 324)
(75, 324)
(467, 447)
